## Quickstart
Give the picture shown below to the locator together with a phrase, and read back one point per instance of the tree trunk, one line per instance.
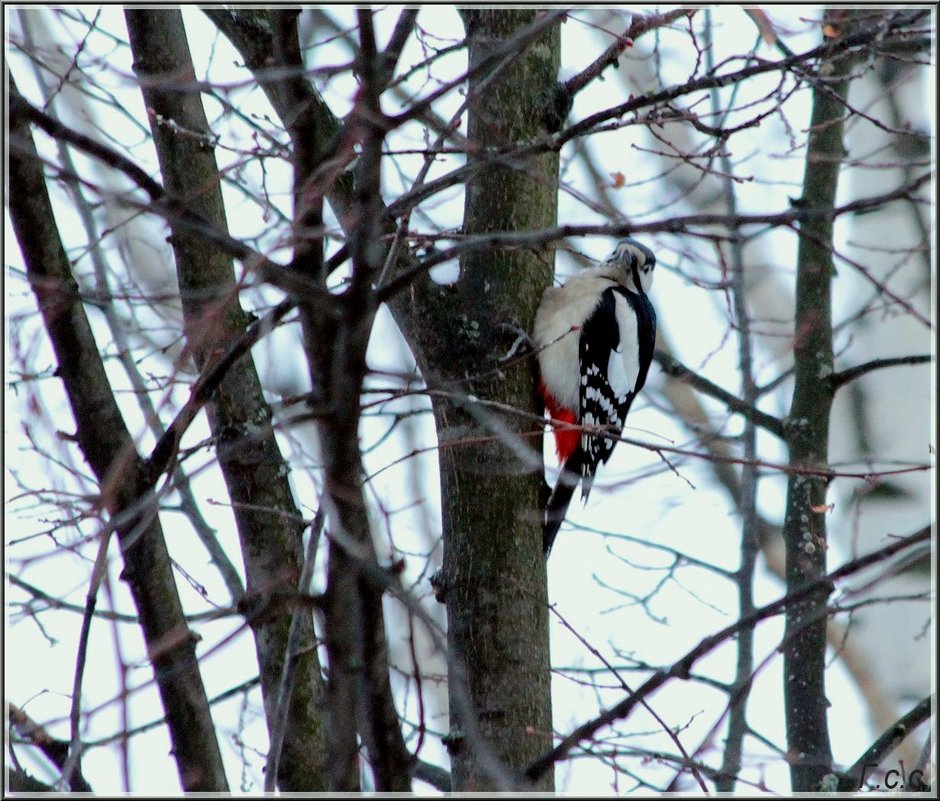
(804, 528)
(494, 573)
(108, 448)
(268, 522)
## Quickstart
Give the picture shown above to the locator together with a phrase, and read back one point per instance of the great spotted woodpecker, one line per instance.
(595, 338)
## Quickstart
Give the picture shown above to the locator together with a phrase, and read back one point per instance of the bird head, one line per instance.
(636, 262)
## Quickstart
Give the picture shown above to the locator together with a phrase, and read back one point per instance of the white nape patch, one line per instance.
(623, 369)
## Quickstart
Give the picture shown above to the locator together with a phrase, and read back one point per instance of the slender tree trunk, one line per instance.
(125, 492)
(336, 335)
(804, 528)
(750, 542)
(268, 522)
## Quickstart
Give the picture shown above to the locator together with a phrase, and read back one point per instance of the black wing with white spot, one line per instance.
(615, 350)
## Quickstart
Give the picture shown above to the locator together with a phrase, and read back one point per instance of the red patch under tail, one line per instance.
(566, 439)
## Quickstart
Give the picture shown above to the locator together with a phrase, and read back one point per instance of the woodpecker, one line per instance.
(594, 337)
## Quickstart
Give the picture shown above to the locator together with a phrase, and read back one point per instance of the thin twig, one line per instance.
(681, 668)
(638, 26)
(674, 224)
(73, 763)
(626, 688)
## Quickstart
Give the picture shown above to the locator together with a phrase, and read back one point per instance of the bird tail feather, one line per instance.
(558, 501)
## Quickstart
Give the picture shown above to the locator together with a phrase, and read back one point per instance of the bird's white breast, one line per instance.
(557, 330)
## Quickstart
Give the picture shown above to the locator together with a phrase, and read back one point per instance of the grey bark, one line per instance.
(493, 572)
(108, 448)
(268, 522)
(807, 436)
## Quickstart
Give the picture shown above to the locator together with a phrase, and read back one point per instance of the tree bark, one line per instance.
(454, 333)
(494, 572)
(269, 524)
(108, 448)
(807, 434)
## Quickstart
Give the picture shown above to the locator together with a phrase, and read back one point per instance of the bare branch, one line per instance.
(679, 224)
(639, 25)
(681, 668)
(687, 762)
(850, 780)
(840, 379)
(676, 369)
(404, 26)
(56, 751)
(162, 202)
(846, 44)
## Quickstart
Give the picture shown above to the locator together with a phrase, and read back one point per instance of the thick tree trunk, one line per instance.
(494, 572)
(498, 608)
